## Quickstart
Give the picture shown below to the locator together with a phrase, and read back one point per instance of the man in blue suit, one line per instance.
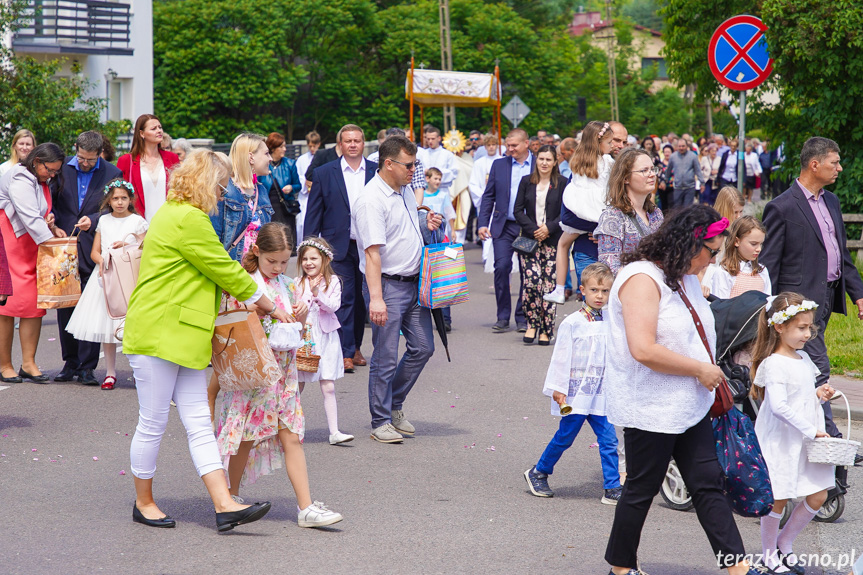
(496, 221)
(335, 188)
(77, 203)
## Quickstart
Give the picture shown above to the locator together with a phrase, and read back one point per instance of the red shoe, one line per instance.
(110, 382)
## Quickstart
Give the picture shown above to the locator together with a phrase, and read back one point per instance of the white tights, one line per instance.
(328, 389)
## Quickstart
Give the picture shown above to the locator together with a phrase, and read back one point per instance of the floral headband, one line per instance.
(316, 244)
(603, 130)
(118, 183)
(781, 317)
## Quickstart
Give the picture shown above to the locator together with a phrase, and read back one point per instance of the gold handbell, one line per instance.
(566, 410)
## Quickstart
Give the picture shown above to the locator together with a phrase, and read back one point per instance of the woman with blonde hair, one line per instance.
(168, 334)
(245, 204)
(23, 143)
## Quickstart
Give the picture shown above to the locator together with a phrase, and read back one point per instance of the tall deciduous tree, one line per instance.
(818, 59)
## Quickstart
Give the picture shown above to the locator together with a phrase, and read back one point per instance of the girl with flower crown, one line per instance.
(321, 290)
(784, 378)
(90, 320)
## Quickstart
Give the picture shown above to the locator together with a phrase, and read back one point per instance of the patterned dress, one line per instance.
(618, 234)
(259, 414)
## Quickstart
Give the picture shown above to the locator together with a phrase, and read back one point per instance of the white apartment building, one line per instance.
(111, 41)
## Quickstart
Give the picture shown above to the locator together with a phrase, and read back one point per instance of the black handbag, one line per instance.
(525, 246)
(291, 207)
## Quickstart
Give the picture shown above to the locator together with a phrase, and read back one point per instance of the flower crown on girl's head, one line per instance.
(603, 130)
(118, 183)
(781, 317)
(315, 244)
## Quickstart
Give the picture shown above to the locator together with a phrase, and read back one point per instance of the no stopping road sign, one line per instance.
(737, 53)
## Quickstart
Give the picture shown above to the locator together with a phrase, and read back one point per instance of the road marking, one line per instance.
(2, 387)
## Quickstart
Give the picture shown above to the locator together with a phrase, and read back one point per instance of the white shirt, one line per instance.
(479, 177)
(303, 163)
(355, 181)
(374, 156)
(720, 281)
(443, 160)
(388, 218)
(730, 173)
(753, 166)
(155, 191)
(635, 395)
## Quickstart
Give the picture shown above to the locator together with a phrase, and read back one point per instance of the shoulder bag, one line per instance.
(723, 400)
(120, 275)
(525, 246)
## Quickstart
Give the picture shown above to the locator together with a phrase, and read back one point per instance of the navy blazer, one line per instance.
(495, 199)
(66, 211)
(328, 213)
(795, 255)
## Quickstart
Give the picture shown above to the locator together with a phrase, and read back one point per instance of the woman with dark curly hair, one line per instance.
(661, 385)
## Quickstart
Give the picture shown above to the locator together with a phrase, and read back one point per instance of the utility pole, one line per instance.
(446, 60)
(612, 67)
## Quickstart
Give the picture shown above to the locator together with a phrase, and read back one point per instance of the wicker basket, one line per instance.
(832, 450)
(307, 361)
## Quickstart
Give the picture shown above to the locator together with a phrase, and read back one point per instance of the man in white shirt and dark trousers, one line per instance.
(390, 236)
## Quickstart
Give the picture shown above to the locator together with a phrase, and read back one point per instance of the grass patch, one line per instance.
(844, 338)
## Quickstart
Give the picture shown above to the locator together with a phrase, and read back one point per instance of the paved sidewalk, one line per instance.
(853, 389)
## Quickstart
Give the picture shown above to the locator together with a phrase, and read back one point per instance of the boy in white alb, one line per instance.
(574, 382)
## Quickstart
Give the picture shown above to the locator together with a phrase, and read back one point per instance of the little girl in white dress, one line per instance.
(790, 415)
(321, 290)
(90, 321)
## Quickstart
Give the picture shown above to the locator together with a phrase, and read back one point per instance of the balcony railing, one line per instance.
(74, 26)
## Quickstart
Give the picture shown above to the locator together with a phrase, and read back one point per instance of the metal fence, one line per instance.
(94, 23)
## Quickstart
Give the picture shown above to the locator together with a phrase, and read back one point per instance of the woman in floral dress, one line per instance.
(257, 427)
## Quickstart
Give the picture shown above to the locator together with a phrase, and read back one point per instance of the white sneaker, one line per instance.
(556, 296)
(339, 437)
(317, 515)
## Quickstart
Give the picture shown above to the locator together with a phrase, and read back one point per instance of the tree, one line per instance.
(818, 57)
(54, 108)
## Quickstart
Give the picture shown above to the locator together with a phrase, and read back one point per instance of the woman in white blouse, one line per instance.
(147, 166)
(661, 384)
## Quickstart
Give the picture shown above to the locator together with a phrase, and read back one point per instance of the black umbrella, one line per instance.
(437, 316)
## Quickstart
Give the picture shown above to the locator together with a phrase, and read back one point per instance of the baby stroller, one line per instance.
(736, 327)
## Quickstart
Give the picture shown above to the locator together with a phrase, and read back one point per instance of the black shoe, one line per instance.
(612, 496)
(538, 483)
(794, 566)
(521, 326)
(500, 326)
(86, 377)
(526, 339)
(230, 519)
(544, 341)
(66, 374)
(41, 378)
(448, 327)
(13, 379)
(858, 459)
(138, 517)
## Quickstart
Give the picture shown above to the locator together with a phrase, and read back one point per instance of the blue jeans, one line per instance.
(391, 379)
(570, 425)
(581, 261)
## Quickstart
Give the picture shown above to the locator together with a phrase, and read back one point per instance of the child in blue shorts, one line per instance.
(574, 379)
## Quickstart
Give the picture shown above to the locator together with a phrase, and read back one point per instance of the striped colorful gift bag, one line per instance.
(443, 276)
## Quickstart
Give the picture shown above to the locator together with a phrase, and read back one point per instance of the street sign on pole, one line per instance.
(515, 111)
(739, 59)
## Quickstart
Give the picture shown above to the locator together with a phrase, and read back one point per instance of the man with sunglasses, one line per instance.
(76, 198)
(683, 168)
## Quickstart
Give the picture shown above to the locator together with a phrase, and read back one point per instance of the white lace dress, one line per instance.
(636, 396)
(587, 197)
(789, 416)
(90, 321)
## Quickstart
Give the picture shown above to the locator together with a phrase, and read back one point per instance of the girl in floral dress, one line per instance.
(256, 427)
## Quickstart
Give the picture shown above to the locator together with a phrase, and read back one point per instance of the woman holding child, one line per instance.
(631, 214)
(661, 384)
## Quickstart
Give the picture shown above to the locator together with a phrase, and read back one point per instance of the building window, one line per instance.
(661, 72)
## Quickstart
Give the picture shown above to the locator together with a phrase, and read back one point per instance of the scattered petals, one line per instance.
(122, 472)
(34, 450)
(35, 459)
(500, 434)
(433, 391)
(593, 445)
(95, 459)
(456, 397)
(452, 406)
(524, 418)
(52, 339)
(490, 448)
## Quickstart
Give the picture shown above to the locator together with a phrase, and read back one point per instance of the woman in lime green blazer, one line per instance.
(168, 334)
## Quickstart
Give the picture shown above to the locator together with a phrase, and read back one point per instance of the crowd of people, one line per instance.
(643, 233)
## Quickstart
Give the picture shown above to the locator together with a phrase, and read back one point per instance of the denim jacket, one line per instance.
(285, 173)
(234, 215)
